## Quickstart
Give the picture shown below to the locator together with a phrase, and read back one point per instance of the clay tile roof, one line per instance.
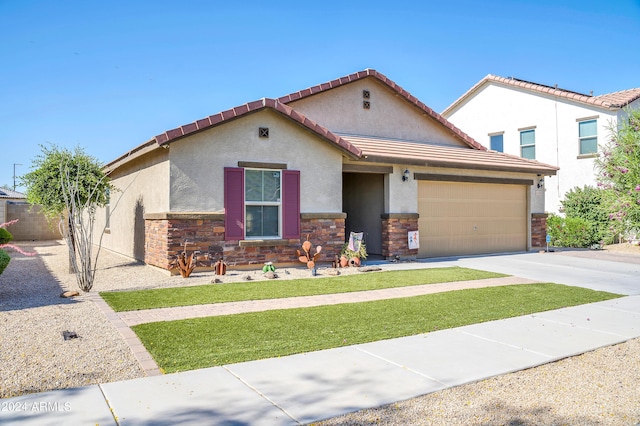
(392, 86)
(251, 107)
(614, 100)
(620, 99)
(411, 152)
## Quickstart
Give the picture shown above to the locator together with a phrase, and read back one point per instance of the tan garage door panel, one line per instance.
(471, 218)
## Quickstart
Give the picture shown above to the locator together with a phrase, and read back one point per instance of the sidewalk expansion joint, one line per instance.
(262, 395)
(388, 361)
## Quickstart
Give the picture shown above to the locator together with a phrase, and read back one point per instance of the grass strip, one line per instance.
(206, 342)
(274, 289)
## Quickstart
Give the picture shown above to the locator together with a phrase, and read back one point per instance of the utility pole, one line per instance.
(14, 174)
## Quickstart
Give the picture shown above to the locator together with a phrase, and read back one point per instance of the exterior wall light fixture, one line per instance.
(405, 175)
(541, 183)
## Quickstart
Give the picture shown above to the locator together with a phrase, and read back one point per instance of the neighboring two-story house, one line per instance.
(545, 123)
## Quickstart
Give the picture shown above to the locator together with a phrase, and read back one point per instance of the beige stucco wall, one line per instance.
(143, 187)
(340, 110)
(402, 196)
(198, 162)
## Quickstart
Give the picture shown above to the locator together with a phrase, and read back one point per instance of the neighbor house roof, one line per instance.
(615, 100)
(387, 150)
(8, 193)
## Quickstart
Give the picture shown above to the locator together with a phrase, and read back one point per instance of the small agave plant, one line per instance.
(306, 257)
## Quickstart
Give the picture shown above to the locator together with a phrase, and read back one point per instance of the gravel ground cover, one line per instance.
(36, 358)
(596, 388)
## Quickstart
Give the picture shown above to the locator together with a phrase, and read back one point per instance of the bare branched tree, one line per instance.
(81, 208)
(71, 185)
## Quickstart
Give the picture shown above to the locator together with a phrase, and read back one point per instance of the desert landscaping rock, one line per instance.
(70, 294)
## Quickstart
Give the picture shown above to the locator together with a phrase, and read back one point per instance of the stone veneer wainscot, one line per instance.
(166, 233)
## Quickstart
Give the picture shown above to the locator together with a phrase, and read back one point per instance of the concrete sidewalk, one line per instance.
(313, 386)
(303, 388)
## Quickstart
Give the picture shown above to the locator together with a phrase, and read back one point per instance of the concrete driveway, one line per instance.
(597, 270)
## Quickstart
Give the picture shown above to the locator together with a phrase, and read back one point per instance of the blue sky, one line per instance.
(108, 76)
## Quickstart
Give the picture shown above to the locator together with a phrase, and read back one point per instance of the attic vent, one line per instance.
(366, 104)
(263, 132)
(366, 94)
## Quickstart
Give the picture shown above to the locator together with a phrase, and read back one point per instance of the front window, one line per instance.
(262, 203)
(497, 143)
(588, 135)
(528, 144)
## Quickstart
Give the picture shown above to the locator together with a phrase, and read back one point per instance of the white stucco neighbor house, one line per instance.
(545, 123)
(358, 153)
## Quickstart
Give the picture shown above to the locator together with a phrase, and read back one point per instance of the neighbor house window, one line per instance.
(588, 136)
(528, 144)
(261, 203)
(497, 142)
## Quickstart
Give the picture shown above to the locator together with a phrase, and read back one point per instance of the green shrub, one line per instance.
(5, 236)
(588, 203)
(571, 232)
(4, 260)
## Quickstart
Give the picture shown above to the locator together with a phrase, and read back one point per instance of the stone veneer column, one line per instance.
(538, 230)
(155, 241)
(395, 228)
(326, 230)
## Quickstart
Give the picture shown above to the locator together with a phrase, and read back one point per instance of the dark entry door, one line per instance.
(363, 201)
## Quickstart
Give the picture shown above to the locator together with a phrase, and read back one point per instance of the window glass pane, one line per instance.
(262, 221)
(497, 143)
(253, 185)
(588, 145)
(587, 128)
(528, 137)
(270, 215)
(271, 186)
(262, 185)
(529, 152)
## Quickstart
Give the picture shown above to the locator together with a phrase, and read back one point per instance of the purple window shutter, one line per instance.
(290, 204)
(233, 203)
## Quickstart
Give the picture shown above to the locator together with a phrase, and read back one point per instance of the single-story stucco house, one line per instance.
(358, 153)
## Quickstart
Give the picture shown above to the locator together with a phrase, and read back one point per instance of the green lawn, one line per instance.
(275, 289)
(205, 342)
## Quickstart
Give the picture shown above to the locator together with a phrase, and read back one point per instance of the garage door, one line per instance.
(471, 218)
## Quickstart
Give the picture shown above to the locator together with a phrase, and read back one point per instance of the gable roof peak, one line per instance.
(394, 87)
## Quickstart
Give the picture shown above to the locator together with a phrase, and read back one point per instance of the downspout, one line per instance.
(557, 154)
